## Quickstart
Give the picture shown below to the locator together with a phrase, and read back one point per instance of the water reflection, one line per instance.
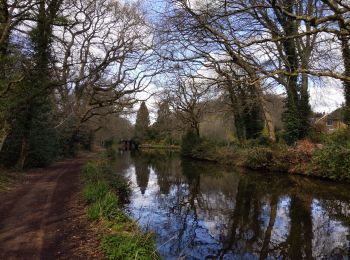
(200, 210)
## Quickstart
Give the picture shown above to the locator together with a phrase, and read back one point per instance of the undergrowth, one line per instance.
(8, 177)
(105, 192)
(328, 159)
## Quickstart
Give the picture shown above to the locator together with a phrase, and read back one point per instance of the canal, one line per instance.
(201, 210)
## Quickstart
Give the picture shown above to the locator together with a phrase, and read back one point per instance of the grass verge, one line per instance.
(104, 192)
(160, 146)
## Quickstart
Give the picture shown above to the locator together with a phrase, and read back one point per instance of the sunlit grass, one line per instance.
(102, 192)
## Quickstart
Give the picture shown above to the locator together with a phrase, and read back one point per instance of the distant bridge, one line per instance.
(128, 145)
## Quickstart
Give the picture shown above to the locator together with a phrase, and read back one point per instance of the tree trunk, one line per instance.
(346, 59)
(4, 33)
(267, 115)
(196, 128)
(304, 104)
(23, 156)
(3, 140)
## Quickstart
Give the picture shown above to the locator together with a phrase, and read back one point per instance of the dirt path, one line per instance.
(43, 217)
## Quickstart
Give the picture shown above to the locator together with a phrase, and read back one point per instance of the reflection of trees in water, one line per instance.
(300, 236)
(164, 164)
(267, 236)
(122, 162)
(182, 207)
(165, 167)
(219, 213)
(142, 172)
(244, 227)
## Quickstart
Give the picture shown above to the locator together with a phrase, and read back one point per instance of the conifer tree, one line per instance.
(142, 123)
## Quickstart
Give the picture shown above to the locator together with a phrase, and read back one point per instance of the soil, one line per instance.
(43, 216)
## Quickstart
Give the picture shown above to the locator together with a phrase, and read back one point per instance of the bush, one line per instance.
(332, 161)
(259, 158)
(189, 141)
(340, 137)
(205, 149)
(317, 136)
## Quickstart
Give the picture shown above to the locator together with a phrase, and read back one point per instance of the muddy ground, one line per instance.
(43, 216)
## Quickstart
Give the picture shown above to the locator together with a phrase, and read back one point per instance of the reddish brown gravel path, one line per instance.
(43, 216)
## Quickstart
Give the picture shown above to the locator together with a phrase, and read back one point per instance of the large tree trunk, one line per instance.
(346, 59)
(267, 114)
(23, 156)
(3, 140)
(4, 29)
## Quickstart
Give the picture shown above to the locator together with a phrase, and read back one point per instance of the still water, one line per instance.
(200, 210)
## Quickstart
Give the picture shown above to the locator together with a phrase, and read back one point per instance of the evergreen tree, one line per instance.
(162, 125)
(142, 123)
(32, 141)
(163, 113)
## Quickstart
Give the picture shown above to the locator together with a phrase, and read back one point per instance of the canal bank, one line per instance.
(330, 160)
(105, 193)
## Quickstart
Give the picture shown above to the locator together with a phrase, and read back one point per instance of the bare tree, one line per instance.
(189, 99)
(107, 59)
(210, 39)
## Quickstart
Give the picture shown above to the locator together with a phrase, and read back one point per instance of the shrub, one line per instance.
(317, 136)
(340, 137)
(228, 154)
(332, 161)
(189, 141)
(205, 149)
(258, 158)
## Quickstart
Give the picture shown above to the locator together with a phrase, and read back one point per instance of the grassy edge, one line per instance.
(121, 237)
(160, 146)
